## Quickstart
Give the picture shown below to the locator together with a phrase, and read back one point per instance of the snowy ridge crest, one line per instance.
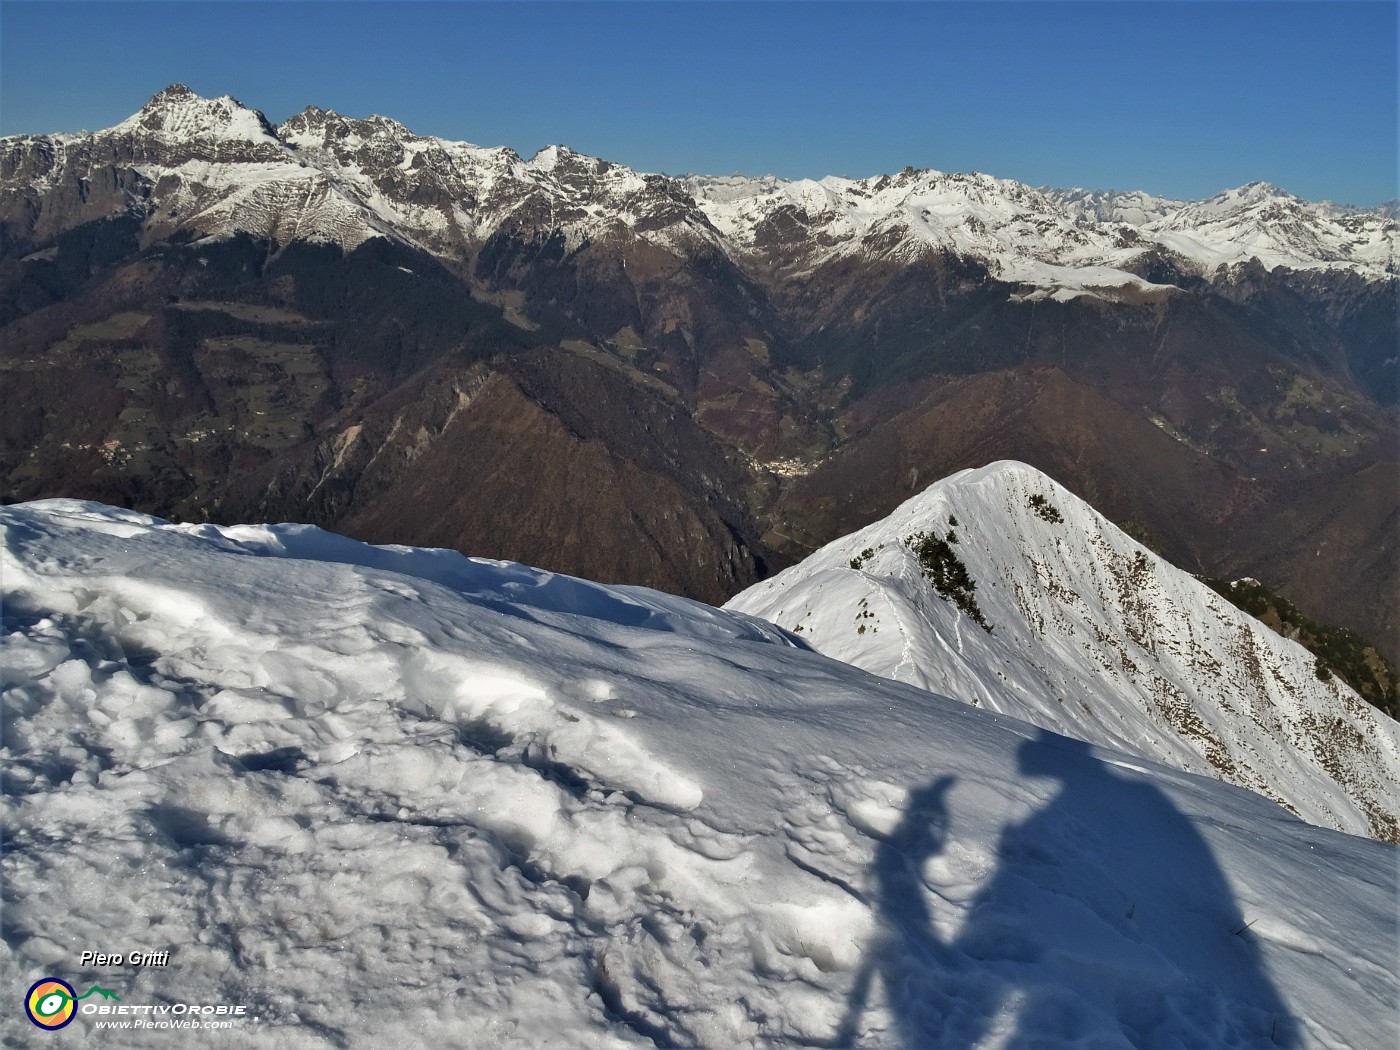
(1095, 637)
(219, 168)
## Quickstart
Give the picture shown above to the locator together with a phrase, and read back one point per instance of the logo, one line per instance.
(51, 1002)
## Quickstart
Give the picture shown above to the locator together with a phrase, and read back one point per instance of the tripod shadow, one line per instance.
(1107, 922)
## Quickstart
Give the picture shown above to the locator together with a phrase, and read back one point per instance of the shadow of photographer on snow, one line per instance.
(1108, 918)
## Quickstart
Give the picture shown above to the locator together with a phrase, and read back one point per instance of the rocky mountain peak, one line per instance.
(311, 117)
(1259, 189)
(174, 93)
(179, 113)
(326, 127)
(562, 158)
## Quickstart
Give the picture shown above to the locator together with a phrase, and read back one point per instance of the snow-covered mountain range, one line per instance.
(1093, 636)
(336, 320)
(213, 167)
(1063, 240)
(388, 796)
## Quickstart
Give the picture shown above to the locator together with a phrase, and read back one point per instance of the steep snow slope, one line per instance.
(395, 797)
(1095, 637)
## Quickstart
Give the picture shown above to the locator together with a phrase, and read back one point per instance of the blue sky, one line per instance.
(1181, 99)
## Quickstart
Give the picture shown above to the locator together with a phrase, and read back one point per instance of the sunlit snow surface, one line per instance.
(1093, 636)
(400, 798)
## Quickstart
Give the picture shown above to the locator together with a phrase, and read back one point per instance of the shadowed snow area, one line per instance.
(393, 797)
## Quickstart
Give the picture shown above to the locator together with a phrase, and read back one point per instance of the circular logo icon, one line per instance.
(49, 1003)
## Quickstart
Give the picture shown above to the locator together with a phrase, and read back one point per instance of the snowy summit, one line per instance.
(1092, 635)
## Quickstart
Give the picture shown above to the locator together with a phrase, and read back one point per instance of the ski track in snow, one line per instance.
(387, 796)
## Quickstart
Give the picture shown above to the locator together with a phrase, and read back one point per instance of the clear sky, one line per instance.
(1181, 99)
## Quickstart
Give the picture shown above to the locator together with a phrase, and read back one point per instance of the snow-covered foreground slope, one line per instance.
(1095, 637)
(391, 797)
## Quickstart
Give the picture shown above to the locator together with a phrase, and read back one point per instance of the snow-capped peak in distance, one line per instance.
(1066, 242)
(1091, 635)
(493, 806)
(1260, 221)
(178, 113)
(1134, 207)
(724, 188)
(221, 169)
(1024, 237)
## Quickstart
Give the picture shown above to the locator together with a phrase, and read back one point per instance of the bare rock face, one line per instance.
(196, 306)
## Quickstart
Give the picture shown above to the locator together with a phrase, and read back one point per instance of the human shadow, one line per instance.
(1107, 921)
(925, 985)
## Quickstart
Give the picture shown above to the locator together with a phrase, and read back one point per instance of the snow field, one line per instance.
(387, 796)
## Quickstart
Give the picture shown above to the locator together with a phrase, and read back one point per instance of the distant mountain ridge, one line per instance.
(323, 177)
(217, 168)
